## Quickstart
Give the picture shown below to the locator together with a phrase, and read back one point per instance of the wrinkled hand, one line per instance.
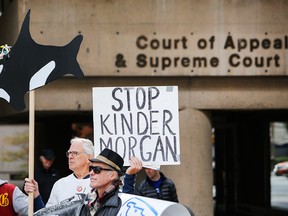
(31, 186)
(135, 166)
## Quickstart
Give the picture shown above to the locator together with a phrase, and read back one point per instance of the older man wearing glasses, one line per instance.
(67, 188)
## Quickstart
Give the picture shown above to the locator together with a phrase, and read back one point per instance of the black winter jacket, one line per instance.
(167, 189)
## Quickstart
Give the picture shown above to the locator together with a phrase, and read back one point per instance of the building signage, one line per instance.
(201, 55)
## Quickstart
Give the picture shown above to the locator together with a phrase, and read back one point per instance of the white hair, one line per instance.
(87, 144)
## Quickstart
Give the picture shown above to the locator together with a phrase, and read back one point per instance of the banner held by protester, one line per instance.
(138, 121)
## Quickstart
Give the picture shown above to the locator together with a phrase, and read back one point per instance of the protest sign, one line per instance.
(138, 121)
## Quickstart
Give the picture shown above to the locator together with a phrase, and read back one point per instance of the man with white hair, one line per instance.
(67, 188)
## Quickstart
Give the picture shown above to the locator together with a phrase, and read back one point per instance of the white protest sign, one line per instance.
(138, 121)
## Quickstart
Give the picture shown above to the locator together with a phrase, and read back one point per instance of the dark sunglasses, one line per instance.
(97, 169)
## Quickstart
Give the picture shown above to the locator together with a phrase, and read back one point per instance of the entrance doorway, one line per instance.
(55, 130)
(242, 172)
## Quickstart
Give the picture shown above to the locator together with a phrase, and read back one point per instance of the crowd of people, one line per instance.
(99, 177)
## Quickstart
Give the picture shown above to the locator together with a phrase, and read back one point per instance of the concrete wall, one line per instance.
(197, 93)
(9, 24)
(230, 35)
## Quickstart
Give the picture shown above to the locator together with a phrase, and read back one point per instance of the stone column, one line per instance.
(194, 177)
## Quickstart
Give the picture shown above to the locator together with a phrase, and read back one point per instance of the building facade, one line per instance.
(228, 59)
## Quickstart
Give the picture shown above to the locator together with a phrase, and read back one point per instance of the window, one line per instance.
(279, 164)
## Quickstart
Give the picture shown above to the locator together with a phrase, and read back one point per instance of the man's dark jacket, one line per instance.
(110, 206)
(167, 188)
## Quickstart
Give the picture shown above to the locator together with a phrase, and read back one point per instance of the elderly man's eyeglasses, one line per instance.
(97, 169)
(73, 153)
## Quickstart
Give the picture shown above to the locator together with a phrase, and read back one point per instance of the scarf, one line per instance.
(95, 200)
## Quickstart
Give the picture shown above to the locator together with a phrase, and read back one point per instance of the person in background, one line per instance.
(67, 188)
(156, 185)
(105, 173)
(47, 175)
(13, 202)
(130, 175)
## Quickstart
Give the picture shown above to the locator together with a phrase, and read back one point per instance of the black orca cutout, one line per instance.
(31, 65)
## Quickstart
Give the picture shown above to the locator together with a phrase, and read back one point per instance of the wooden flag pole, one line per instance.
(31, 147)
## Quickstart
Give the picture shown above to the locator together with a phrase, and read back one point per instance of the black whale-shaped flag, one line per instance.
(31, 65)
